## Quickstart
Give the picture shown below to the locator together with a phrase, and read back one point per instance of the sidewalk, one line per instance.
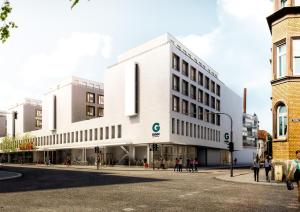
(248, 177)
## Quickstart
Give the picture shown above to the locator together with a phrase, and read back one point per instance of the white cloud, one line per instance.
(238, 48)
(63, 60)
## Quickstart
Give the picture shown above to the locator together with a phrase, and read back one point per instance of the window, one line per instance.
(212, 86)
(207, 99)
(206, 115)
(200, 113)
(218, 120)
(198, 132)
(202, 132)
(281, 60)
(119, 131)
(191, 130)
(90, 97)
(213, 118)
(213, 102)
(207, 83)
(90, 110)
(38, 123)
(106, 132)
(175, 83)
(185, 68)
(185, 88)
(112, 132)
(76, 136)
(185, 106)
(283, 3)
(85, 135)
(38, 113)
(218, 106)
(173, 125)
(218, 90)
(281, 121)
(182, 127)
(200, 96)
(296, 56)
(193, 110)
(100, 112)
(200, 78)
(193, 92)
(193, 74)
(204, 136)
(178, 127)
(186, 129)
(101, 133)
(100, 99)
(175, 104)
(175, 62)
(195, 131)
(91, 135)
(81, 136)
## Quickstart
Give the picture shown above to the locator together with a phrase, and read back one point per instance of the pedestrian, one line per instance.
(180, 164)
(191, 166)
(256, 169)
(196, 164)
(176, 168)
(187, 164)
(267, 165)
(98, 161)
(162, 163)
(295, 169)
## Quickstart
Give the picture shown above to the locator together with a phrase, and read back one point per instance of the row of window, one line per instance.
(91, 98)
(91, 111)
(80, 136)
(192, 73)
(192, 110)
(195, 131)
(283, 3)
(38, 113)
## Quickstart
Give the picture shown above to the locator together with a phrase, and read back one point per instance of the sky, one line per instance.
(53, 42)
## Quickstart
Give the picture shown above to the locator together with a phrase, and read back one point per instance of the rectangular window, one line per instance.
(202, 132)
(95, 134)
(212, 86)
(76, 136)
(173, 125)
(218, 90)
(175, 62)
(119, 131)
(185, 107)
(185, 68)
(38, 113)
(207, 114)
(200, 113)
(90, 111)
(91, 135)
(200, 78)
(207, 83)
(106, 132)
(218, 119)
(100, 112)
(175, 104)
(72, 137)
(195, 131)
(178, 127)
(61, 138)
(85, 135)
(207, 99)
(200, 95)
(185, 88)
(65, 138)
(218, 106)
(101, 133)
(193, 110)
(38, 123)
(193, 92)
(281, 60)
(69, 138)
(296, 57)
(182, 127)
(175, 83)
(186, 129)
(112, 132)
(90, 97)
(198, 134)
(191, 130)
(193, 74)
(213, 102)
(100, 99)
(81, 136)
(213, 118)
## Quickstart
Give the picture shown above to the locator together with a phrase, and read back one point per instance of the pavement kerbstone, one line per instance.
(4, 175)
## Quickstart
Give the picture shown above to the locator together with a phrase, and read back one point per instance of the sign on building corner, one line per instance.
(155, 130)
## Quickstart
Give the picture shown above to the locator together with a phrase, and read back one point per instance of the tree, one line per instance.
(8, 144)
(6, 25)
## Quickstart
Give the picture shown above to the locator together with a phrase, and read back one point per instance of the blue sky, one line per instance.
(54, 42)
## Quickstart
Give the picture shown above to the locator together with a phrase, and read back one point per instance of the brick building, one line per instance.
(284, 24)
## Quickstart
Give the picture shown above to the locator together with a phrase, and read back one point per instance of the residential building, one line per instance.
(159, 92)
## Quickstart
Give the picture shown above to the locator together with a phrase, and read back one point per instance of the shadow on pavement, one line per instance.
(44, 179)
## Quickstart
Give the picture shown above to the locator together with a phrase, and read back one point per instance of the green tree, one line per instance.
(8, 144)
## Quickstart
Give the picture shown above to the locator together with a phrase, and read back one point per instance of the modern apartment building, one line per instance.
(24, 117)
(284, 25)
(3, 123)
(159, 92)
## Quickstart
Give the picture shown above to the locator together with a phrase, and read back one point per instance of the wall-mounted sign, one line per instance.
(155, 130)
(296, 120)
(226, 137)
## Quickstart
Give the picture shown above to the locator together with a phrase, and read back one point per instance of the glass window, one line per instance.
(185, 88)
(200, 96)
(173, 125)
(175, 83)
(218, 106)
(38, 123)
(296, 57)
(90, 110)
(200, 78)
(191, 130)
(212, 86)
(207, 83)
(213, 102)
(106, 132)
(207, 99)
(112, 132)
(200, 113)
(193, 74)
(178, 127)
(193, 92)
(182, 127)
(175, 102)
(193, 110)
(207, 115)
(281, 121)
(281, 60)
(100, 112)
(186, 129)
(218, 90)
(119, 131)
(100, 99)
(38, 113)
(95, 134)
(185, 68)
(90, 97)
(101, 133)
(185, 107)
(175, 62)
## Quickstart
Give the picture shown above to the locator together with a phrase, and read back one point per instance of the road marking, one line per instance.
(128, 209)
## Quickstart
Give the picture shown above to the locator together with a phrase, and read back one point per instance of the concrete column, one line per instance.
(148, 154)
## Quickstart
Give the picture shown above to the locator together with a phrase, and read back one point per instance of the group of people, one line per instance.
(256, 166)
(191, 165)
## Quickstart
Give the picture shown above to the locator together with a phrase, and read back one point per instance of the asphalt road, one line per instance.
(42, 189)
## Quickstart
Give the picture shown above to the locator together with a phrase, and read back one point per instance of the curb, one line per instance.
(16, 175)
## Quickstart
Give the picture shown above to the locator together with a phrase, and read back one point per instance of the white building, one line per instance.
(158, 92)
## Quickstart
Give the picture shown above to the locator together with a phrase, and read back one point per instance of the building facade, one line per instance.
(284, 26)
(3, 124)
(159, 92)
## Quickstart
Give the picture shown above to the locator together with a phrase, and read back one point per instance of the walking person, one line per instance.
(267, 165)
(180, 164)
(98, 161)
(256, 169)
(196, 164)
(295, 169)
(176, 168)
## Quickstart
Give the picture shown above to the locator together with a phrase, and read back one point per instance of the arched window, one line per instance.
(281, 121)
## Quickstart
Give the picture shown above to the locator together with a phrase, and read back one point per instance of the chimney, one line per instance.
(245, 101)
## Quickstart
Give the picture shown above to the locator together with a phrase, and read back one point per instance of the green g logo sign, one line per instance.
(156, 127)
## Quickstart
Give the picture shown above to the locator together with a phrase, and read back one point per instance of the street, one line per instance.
(69, 189)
